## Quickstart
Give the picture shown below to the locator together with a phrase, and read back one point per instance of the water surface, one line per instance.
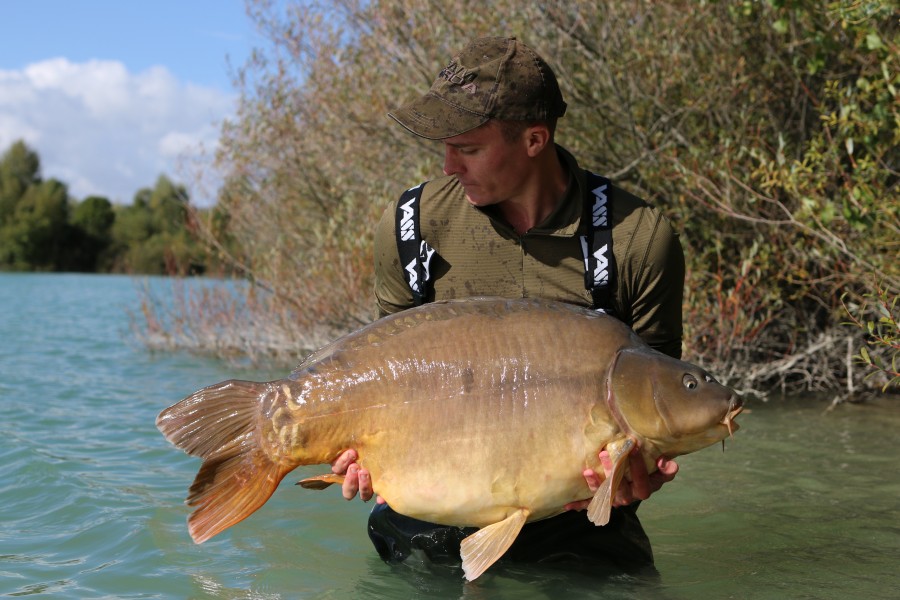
(805, 503)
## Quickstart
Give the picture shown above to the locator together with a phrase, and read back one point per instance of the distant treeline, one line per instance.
(42, 228)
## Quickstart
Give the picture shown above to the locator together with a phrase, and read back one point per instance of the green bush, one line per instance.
(766, 130)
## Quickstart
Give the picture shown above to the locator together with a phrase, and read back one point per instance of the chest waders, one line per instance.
(596, 243)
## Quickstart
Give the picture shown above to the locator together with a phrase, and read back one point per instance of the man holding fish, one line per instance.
(515, 216)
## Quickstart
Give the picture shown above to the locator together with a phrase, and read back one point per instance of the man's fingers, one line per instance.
(356, 479)
(592, 479)
(640, 482)
(638, 485)
(343, 461)
(669, 468)
(623, 493)
(365, 485)
(350, 487)
(666, 470)
(606, 462)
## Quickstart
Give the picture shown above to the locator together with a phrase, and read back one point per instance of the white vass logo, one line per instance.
(600, 216)
(407, 233)
(407, 223)
(600, 206)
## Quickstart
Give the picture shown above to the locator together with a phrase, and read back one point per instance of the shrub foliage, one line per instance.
(767, 131)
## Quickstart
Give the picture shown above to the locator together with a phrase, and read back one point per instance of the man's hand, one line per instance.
(356, 479)
(640, 485)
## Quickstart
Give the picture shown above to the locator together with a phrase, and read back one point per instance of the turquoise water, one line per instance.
(805, 503)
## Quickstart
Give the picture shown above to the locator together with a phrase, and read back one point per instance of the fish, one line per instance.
(481, 412)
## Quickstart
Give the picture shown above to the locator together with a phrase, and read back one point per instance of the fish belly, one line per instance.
(472, 461)
(470, 495)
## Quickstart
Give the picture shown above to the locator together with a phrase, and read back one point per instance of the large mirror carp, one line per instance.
(478, 412)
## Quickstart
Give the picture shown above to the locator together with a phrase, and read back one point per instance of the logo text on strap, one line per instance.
(601, 271)
(600, 210)
(407, 223)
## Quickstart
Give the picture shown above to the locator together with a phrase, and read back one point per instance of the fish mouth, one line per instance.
(735, 407)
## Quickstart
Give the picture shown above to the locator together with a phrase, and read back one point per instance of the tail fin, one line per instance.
(219, 424)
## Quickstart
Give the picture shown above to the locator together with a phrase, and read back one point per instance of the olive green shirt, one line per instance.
(478, 254)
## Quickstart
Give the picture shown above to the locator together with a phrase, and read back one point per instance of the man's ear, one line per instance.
(537, 137)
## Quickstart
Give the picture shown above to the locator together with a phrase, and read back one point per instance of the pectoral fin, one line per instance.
(482, 549)
(320, 482)
(601, 504)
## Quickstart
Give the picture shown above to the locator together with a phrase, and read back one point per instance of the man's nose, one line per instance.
(451, 162)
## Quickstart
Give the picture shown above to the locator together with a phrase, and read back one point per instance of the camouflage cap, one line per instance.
(491, 78)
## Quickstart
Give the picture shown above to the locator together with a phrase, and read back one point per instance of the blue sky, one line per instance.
(113, 93)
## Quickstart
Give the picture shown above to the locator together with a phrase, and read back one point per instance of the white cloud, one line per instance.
(105, 131)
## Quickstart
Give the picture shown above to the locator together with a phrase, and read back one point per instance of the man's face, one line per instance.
(490, 168)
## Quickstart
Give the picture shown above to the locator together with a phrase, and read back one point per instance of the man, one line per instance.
(508, 220)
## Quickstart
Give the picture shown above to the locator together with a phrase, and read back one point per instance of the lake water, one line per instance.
(805, 503)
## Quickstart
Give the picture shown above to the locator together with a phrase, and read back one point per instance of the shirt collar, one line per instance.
(565, 219)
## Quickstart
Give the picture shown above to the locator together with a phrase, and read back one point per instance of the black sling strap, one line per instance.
(596, 243)
(415, 253)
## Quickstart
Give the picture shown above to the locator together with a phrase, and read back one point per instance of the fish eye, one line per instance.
(689, 381)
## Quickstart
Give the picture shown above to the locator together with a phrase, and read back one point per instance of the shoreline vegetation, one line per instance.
(767, 131)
